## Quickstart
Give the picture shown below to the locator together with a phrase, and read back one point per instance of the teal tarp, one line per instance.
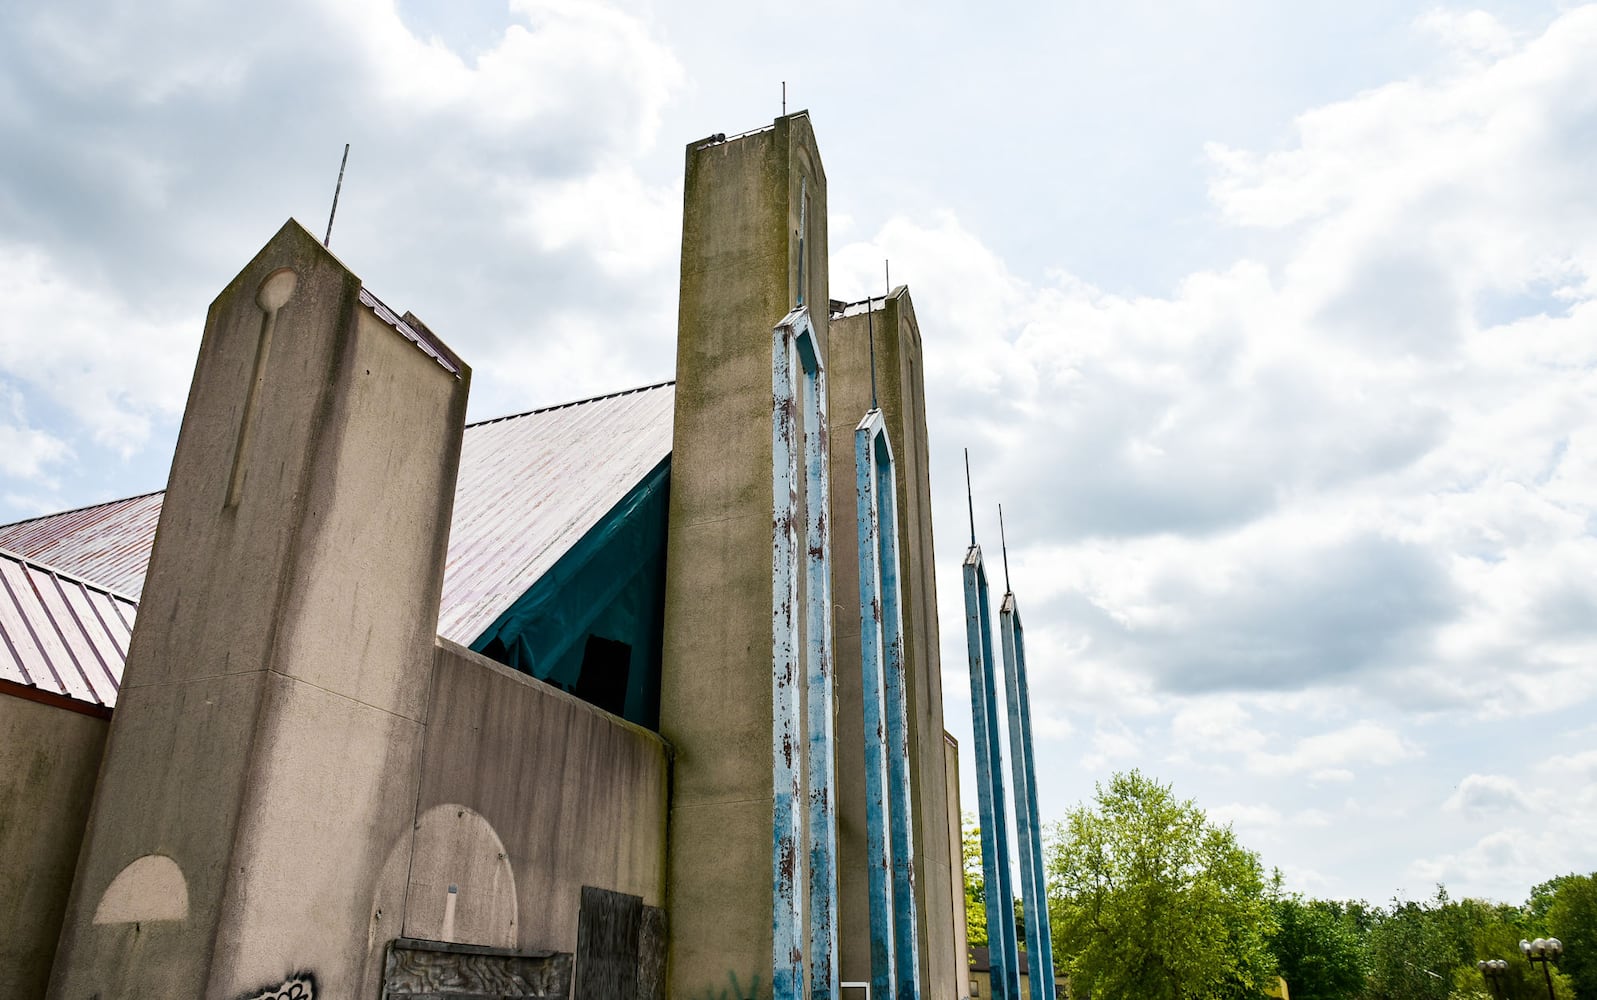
(609, 589)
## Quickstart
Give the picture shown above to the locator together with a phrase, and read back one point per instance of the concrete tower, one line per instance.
(744, 216)
(270, 723)
(900, 393)
(754, 226)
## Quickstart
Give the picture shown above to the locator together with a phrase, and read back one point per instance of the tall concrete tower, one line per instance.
(754, 245)
(270, 722)
(753, 238)
(875, 348)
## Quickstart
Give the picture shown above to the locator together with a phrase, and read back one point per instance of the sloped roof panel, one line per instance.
(108, 543)
(530, 486)
(60, 634)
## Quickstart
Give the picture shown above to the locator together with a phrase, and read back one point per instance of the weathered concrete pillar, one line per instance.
(744, 222)
(263, 759)
(900, 392)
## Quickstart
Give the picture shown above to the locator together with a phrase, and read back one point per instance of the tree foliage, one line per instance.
(1318, 947)
(1154, 902)
(1429, 950)
(975, 883)
(1572, 918)
(1151, 901)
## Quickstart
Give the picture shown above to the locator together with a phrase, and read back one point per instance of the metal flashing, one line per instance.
(417, 334)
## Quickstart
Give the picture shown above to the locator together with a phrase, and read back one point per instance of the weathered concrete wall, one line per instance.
(527, 794)
(901, 397)
(740, 236)
(49, 759)
(270, 720)
(956, 859)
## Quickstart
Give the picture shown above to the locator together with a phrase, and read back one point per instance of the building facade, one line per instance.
(412, 708)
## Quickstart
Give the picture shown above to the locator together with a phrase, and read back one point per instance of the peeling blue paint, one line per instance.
(1028, 831)
(795, 349)
(906, 931)
(787, 919)
(1003, 950)
(878, 844)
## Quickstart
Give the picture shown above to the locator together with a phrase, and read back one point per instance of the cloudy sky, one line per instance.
(1273, 326)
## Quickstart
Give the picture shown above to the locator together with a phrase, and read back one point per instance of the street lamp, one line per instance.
(1495, 972)
(1543, 950)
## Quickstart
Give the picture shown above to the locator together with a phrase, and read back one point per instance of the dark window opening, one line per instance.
(606, 666)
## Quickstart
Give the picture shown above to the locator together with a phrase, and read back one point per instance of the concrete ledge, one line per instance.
(544, 687)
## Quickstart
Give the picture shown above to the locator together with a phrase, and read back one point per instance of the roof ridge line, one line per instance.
(574, 402)
(75, 510)
(78, 579)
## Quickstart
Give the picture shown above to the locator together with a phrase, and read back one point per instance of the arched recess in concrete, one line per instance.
(150, 888)
(462, 887)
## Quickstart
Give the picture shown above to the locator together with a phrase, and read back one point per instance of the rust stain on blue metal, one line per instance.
(798, 415)
(787, 929)
(819, 685)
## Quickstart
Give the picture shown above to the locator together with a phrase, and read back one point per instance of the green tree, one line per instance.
(1497, 936)
(1572, 918)
(1154, 902)
(1411, 954)
(1429, 951)
(976, 888)
(975, 883)
(1317, 948)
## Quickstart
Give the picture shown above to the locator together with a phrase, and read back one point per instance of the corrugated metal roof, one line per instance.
(60, 634)
(530, 486)
(108, 543)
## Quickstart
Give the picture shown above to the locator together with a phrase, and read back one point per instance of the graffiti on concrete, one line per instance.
(299, 986)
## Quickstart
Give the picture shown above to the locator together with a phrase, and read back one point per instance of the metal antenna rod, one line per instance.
(784, 98)
(887, 272)
(327, 240)
(1003, 546)
(870, 333)
(969, 501)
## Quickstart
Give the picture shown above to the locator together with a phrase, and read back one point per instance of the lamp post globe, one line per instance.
(1543, 950)
(1495, 972)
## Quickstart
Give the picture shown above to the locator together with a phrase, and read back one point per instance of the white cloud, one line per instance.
(1483, 795)
(1114, 745)
(94, 356)
(1328, 755)
(1310, 818)
(1472, 34)
(1355, 463)
(27, 453)
(568, 66)
(1247, 816)
(1210, 726)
